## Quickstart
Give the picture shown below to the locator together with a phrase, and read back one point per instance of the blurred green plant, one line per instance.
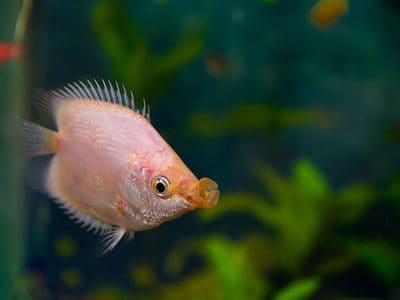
(133, 62)
(305, 216)
(379, 255)
(247, 117)
(238, 266)
(228, 262)
(304, 213)
(228, 274)
(299, 290)
(382, 254)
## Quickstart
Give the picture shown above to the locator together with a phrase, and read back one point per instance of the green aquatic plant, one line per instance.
(302, 211)
(381, 254)
(228, 273)
(228, 262)
(258, 117)
(299, 290)
(238, 269)
(133, 61)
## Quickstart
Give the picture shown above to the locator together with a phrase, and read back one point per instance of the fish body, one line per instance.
(111, 169)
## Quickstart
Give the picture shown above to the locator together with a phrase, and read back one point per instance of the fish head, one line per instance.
(185, 186)
(158, 195)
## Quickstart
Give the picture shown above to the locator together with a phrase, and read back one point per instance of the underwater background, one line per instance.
(293, 107)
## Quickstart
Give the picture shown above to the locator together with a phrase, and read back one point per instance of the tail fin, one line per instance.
(35, 139)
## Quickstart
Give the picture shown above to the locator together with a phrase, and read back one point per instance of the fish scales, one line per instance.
(124, 139)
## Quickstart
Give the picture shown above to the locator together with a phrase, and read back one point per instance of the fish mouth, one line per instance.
(202, 194)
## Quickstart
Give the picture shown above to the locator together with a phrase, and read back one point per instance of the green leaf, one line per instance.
(279, 188)
(230, 262)
(351, 203)
(115, 31)
(258, 117)
(309, 182)
(243, 203)
(335, 264)
(129, 50)
(184, 51)
(299, 290)
(381, 258)
(163, 69)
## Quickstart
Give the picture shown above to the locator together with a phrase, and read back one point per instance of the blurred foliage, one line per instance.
(143, 275)
(71, 278)
(383, 259)
(228, 262)
(239, 266)
(263, 118)
(65, 247)
(235, 280)
(303, 211)
(132, 60)
(299, 290)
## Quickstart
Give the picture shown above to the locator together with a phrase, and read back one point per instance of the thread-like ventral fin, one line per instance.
(111, 239)
(87, 222)
(111, 235)
(93, 90)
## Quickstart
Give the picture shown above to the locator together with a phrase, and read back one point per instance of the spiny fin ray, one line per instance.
(111, 235)
(93, 90)
(111, 239)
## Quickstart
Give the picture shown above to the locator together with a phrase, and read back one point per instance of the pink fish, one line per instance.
(111, 170)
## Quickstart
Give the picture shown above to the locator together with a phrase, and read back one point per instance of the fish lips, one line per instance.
(201, 193)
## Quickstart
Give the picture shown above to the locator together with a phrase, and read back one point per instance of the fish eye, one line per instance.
(161, 185)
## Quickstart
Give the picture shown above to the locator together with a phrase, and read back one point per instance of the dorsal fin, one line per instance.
(92, 90)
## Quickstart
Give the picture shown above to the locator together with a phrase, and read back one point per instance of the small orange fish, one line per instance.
(326, 12)
(9, 51)
(111, 170)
